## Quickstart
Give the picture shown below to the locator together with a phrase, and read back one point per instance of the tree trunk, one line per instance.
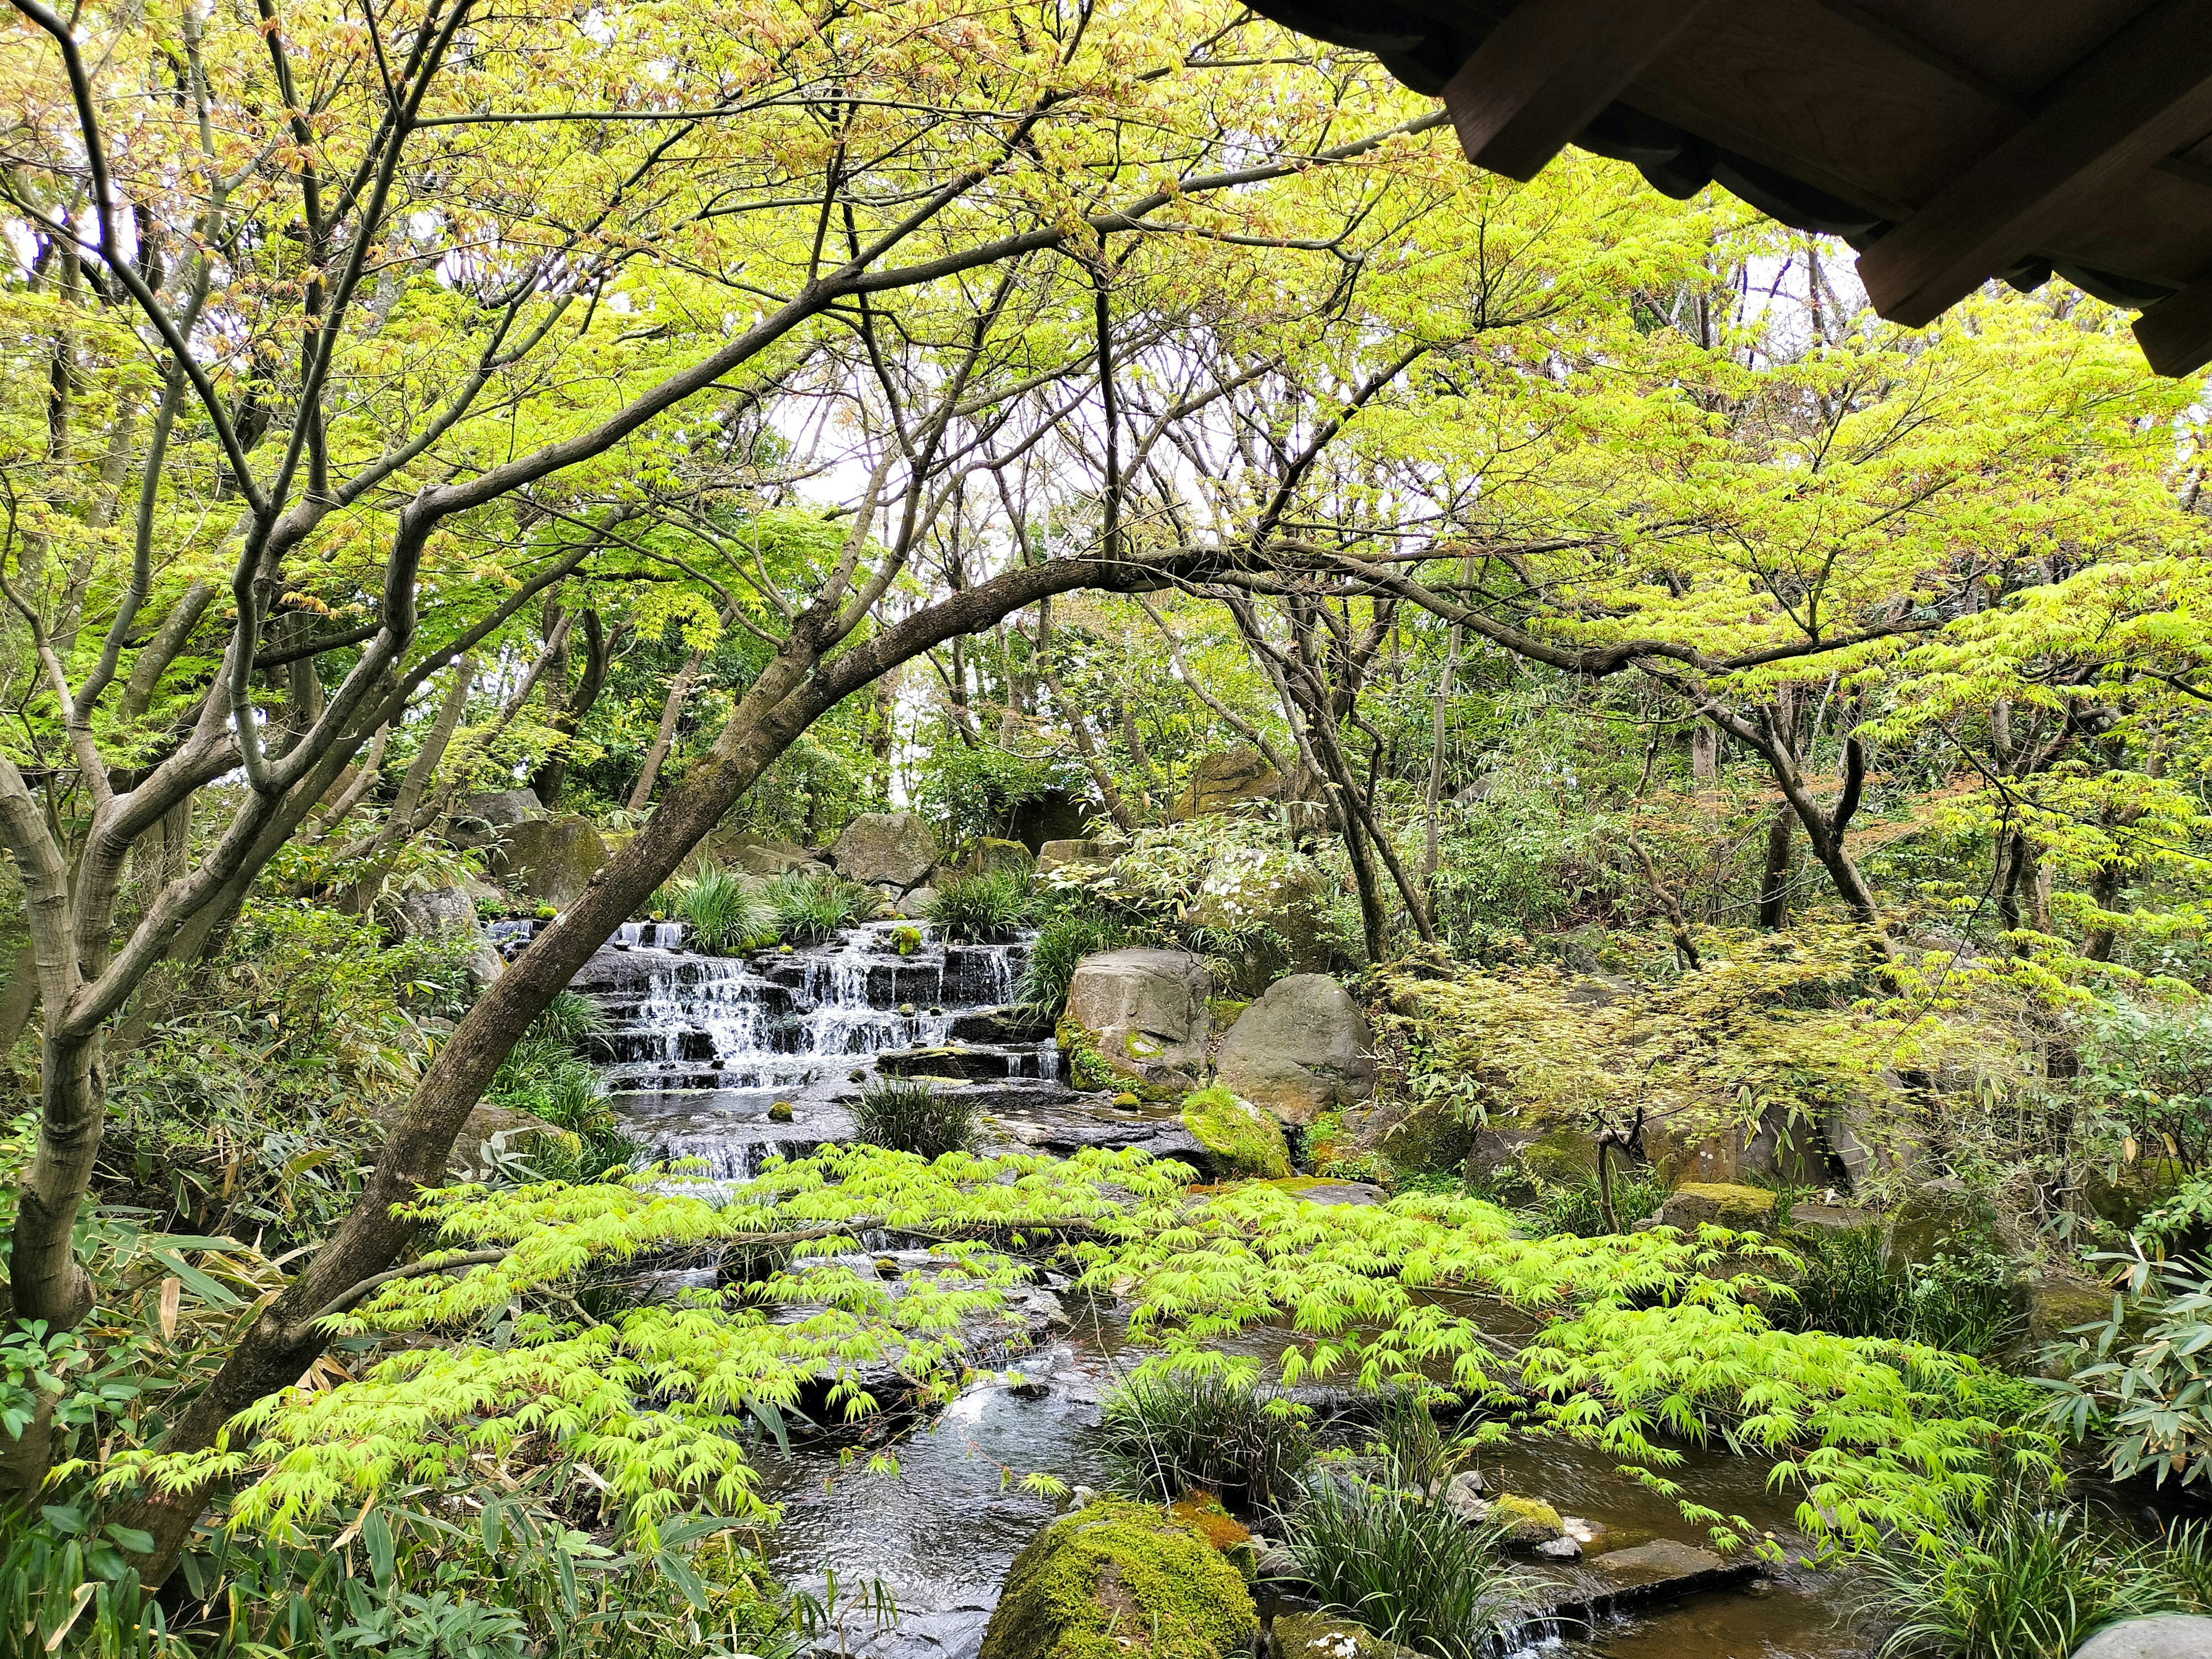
(401, 819)
(1774, 879)
(552, 777)
(664, 739)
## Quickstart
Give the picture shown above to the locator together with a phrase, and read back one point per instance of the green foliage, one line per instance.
(2139, 1379)
(912, 1115)
(1062, 943)
(810, 909)
(970, 792)
(68, 1587)
(1409, 1569)
(545, 1075)
(2031, 1578)
(1172, 1431)
(1407, 1433)
(983, 909)
(1961, 1301)
(1576, 1206)
(725, 911)
(2150, 1066)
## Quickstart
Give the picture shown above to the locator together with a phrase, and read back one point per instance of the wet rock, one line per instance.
(1665, 1568)
(1303, 1048)
(1818, 1220)
(1362, 1194)
(1324, 1636)
(2167, 1636)
(1225, 779)
(448, 916)
(1144, 1009)
(552, 860)
(1587, 1533)
(895, 849)
(1087, 850)
(1562, 1548)
(1010, 1024)
(969, 1065)
(1046, 1119)
(1463, 1496)
(1245, 1142)
(1120, 1576)
(1719, 1204)
(781, 1112)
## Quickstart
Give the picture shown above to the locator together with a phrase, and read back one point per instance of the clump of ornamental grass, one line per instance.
(1421, 1454)
(724, 911)
(1405, 1567)
(1171, 1432)
(2033, 1579)
(983, 909)
(905, 1115)
(1060, 943)
(810, 909)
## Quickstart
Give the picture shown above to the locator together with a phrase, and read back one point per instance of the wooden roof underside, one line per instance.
(1949, 141)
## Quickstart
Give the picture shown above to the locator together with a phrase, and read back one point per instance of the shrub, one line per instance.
(983, 909)
(1410, 1571)
(2031, 1579)
(1574, 1206)
(545, 1075)
(1955, 1301)
(725, 911)
(907, 1115)
(1170, 1432)
(809, 909)
(1060, 943)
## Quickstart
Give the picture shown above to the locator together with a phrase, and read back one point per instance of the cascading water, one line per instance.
(699, 1048)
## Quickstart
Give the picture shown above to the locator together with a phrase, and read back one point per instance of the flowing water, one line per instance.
(697, 1051)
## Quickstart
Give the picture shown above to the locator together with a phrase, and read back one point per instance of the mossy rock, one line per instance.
(1118, 1579)
(1525, 1520)
(1244, 1140)
(1203, 1510)
(1719, 1204)
(1325, 1636)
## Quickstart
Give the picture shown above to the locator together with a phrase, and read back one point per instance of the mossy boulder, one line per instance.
(1718, 1204)
(1244, 1140)
(1325, 1636)
(1115, 1580)
(1525, 1520)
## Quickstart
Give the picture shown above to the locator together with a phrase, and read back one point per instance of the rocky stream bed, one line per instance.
(727, 1060)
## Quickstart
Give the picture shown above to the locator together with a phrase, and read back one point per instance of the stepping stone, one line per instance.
(2169, 1636)
(1665, 1568)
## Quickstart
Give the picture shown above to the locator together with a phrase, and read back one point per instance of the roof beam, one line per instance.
(1541, 75)
(2137, 98)
(2176, 333)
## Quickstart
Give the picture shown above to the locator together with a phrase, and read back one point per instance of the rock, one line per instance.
(1935, 1217)
(1325, 1636)
(1144, 1011)
(1054, 853)
(1665, 1567)
(502, 809)
(1302, 1048)
(895, 849)
(500, 1129)
(1117, 1576)
(1290, 895)
(1222, 780)
(1719, 1204)
(1244, 1140)
(1050, 815)
(992, 856)
(1562, 1548)
(781, 1112)
(1827, 1220)
(919, 902)
(2166, 1636)
(762, 855)
(1588, 1533)
(1463, 1497)
(1361, 1195)
(449, 916)
(1417, 1137)
(552, 860)
(1525, 1520)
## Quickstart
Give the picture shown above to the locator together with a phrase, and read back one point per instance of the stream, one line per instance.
(699, 1048)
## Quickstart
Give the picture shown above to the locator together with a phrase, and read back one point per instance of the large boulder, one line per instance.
(1054, 853)
(892, 849)
(1242, 891)
(994, 857)
(448, 917)
(1144, 1010)
(552, 860)
(1121, 1578)
(501, 808)
(1051, 815)
(1302, 1048)
(1225, 779)
(2162, 1636)
(1718, 1204)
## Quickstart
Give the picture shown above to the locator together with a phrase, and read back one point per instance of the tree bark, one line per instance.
(552, 777)
(1774, 879)
(664, 738)
(400, 821)
(163, 648)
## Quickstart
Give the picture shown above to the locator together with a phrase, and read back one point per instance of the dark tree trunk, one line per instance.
(1774, 879)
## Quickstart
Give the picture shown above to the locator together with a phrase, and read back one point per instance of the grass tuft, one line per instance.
(810, 909)
(1407, 1569)
(909, 1115)
(1169, 1433)
(1060, 943)
(725, 911)
(986, 908)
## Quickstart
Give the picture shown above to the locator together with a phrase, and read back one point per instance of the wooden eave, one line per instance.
(1949, 141)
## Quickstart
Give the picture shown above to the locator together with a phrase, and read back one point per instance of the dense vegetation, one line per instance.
(1696, 717)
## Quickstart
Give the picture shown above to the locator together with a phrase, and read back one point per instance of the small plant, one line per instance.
(906, 940)
(1409, 1569)
(725, 912)
(1087, 1069)
(809, 909)
(2031, 1579)
(1576, 1206)
(909, 1115)
(1169, 1433)
(1961, 1303)
(1060, 943)
(984, 908)
(1422, 1455)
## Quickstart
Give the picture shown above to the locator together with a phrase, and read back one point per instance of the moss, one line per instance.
(1525, 1520)
(1223, 1013)
(1118, 1579)
(1203, 1510)
(1086, 1066)
(1244, 1140)
(1722, 1203)
(1325, 1636)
